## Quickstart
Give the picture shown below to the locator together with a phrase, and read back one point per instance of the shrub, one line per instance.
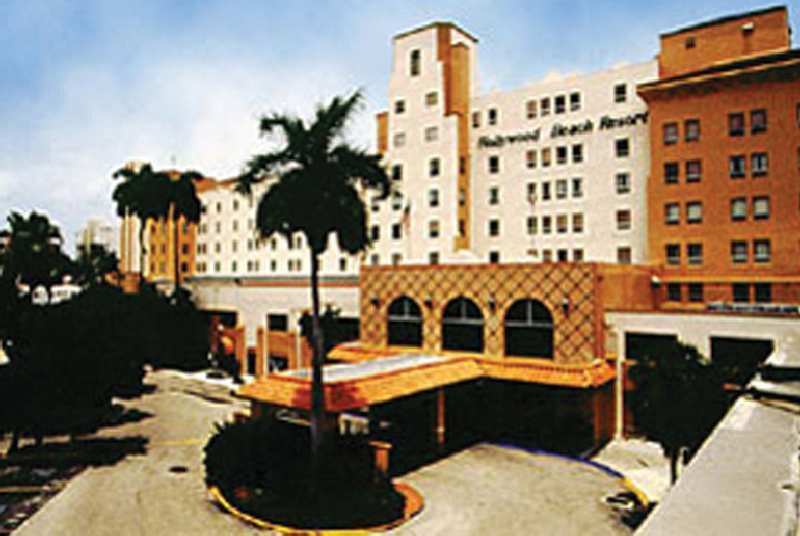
(272, 460)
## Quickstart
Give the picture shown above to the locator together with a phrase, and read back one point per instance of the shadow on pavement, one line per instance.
(83, 452)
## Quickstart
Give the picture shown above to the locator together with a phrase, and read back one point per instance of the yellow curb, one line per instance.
(636, 491)
(405, 489)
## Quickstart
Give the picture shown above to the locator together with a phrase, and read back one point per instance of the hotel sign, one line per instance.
(559, 130)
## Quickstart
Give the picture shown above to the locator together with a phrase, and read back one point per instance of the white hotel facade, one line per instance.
(553, 171)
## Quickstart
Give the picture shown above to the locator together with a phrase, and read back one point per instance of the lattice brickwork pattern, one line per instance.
(576, 334)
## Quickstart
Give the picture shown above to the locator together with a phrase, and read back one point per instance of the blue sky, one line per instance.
(86, 86)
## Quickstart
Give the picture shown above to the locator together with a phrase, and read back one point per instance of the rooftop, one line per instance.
(435, 24)
(722, 20)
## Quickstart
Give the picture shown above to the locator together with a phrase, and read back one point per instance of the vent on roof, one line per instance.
(748, 27)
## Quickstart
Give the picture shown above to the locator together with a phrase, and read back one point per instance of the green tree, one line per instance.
(316, 194)
(33, 256)
(183, 203)
(144, 194)
(94, 264)
(678, 400)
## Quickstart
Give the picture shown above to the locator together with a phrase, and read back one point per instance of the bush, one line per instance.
(272, 460)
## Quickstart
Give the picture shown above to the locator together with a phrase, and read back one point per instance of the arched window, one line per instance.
(462, 326)
(529, 329)
(404, 325)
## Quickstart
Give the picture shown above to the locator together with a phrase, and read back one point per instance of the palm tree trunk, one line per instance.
(317, 395)
(673, 465)
(175, 253)
(142, 223)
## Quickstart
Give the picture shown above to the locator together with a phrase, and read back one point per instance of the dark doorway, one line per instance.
(529, 329)
(251, 362)
(404, 323)
(462, 326)
(739, 358)
(277, 322)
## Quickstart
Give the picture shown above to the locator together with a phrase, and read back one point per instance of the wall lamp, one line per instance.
(428, 301)
(375, 301)
(565, 305)
(491, 302)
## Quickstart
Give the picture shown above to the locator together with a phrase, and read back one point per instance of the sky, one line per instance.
(86, 86)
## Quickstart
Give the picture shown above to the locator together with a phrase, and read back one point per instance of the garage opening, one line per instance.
(529, 329)
(739, 357)
(462, 326)
(404, 322)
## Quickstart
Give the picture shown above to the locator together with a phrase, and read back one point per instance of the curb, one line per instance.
(414, 505)
(610, 471)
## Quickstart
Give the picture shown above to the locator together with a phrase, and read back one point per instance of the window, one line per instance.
(736, 124)
(624, 255)
(546, 157)
(758, 121)
(433, 167)
(400, 139)
(738, 251)
(399, 106)
(433, 257)
(694, 212)
(622, 147)
(273, 265)
(671, 172)
(375, 232)
(561, 255)
(233, 266)
(574, 102)
(761, 208)
(397, 258)
(397, 201)
(397, 231)
(476, 119)
(690, 43)
(494, 195)
(577, 222)
(560, 104)
(492, 116)
(547, 224)
(694, 253)
(547, 255)
(561, 189)
(694, 170)
(561, 155)
(530, 109)
(431, 134)
(494, 257)
(577, 153)
(695, 292)
(738, 209)
(217, 247)
(670, 133)
(342, 264)
(397, 172)
(761, 250)
(691, 129)
(433, 198)
(546, 191)
(763, 292)
(561, 223)
(431, 98)
(620, 93)
(672, 252)
(374, 259)
(219, 206)
(623, 182)
(218, 227)
(544, 106)
(623, 220)
(577, 187)
(532, 192)
(494, 227)
(736, 166)
(494, 164)
(530, 158)
(235, 225)
(577, 255)
(741, 292)
(414, 66)
(433, 229)
(759, 164)
(532, 224)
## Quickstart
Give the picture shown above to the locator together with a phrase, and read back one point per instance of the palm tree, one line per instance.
(143, 193)
(183, 203)
(316, 194)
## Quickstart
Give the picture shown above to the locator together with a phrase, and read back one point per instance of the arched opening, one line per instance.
(529, 329)
(462, 326)
(404, 323)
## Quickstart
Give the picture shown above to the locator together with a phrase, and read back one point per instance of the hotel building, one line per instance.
(538, 237)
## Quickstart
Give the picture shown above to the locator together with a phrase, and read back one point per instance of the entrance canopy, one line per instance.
(389, 376)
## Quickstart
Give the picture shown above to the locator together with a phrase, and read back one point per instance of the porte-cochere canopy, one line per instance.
(528, 329)
(404, 322)
(462, 326)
